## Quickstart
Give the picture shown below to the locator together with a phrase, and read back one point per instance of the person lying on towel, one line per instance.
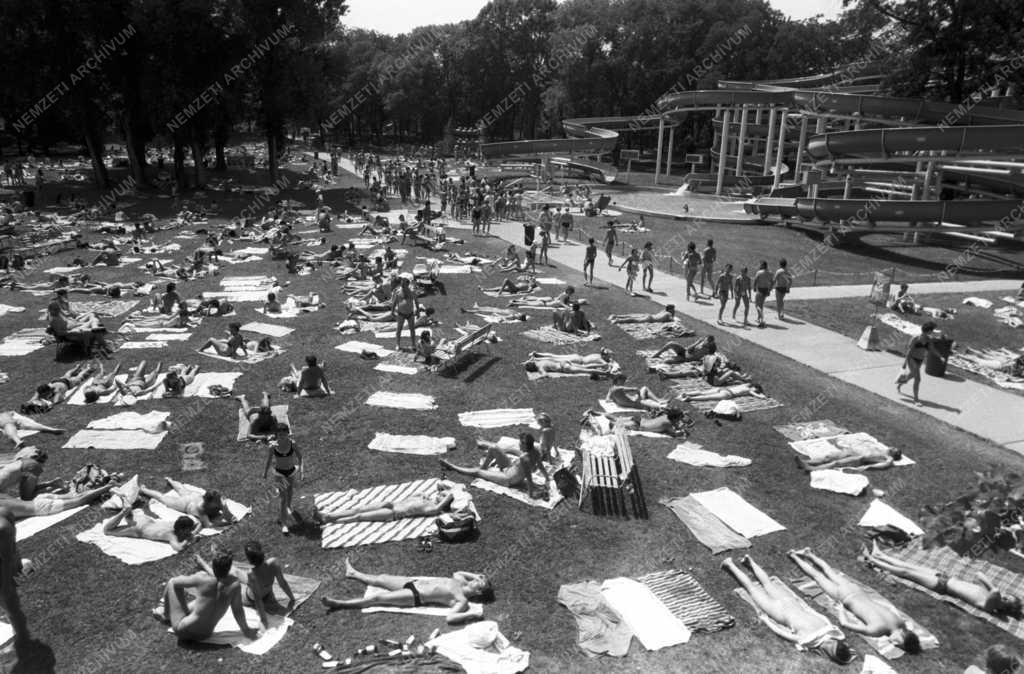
(641, 398)
(572, 320)
(807, 629)
(981, 595)
(128, 524)
(673, 422)
(852, 459)
(514, 286)
(427, 504)
(495, 313)
(861, 613)
(309, 382)
(508, 467)
(563, 299)
(572, 363)
(205, 506)
(684, 354)
(39, 498)
(262, 422)
(258, 586)
(724, 393)
(215, 589)
(415, 591)
(178, 378)
(139, 383)
(666, 316)
(11, 422)
(58, 390)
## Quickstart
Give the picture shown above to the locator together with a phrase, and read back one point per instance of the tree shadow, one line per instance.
(32, 657)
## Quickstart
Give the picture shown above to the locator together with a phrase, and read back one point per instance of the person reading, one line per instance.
(860, 613)
(454, 593)
(216, 591)
(427, 504)
(258, 586)
(665, 316)
(507, 467)
(790, 619)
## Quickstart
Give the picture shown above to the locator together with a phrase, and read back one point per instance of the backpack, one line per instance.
(456, 527)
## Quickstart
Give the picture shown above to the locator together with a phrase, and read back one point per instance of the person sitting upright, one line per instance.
(170, 298)
(258, 586)
(572, 320)
(231, 346)
(272, 306)
(309, 382)
(511, 467)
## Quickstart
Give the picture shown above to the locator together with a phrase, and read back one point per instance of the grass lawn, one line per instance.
(91, 611)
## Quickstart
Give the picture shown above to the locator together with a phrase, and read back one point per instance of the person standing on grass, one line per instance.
(611, 237)
(589, 258)
(545, 243)
(403, 306)
(647, 262)
(763, 282)
(782, 281)
(632, 265)
(741, 291)
(707, 260)
(723, 286)
(286, 460)
(917, 350)
(691, 262)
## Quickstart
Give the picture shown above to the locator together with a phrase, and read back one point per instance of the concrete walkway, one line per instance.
(1008, 286)
(985, 411)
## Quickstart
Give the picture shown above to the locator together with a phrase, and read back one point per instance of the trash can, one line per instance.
(28, 198)
(933, 364)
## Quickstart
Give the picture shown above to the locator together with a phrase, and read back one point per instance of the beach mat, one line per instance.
(710, 531)
(353, 534)
(418, 445)
(737, 513)
(745, 404)
(280, 413)
(688, 601)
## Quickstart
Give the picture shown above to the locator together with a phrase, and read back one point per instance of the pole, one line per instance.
(671, 142)
(657, 163)
(770, 141)
(726, 115)
(740, 140)
(801, 144)
(778, 153)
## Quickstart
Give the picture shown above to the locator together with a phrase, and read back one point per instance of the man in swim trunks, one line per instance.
(572, 320)
(262, 422)
(258, 586)
(58, 390)
(11, 422)
(666, 316)
(128, 524)
(215, 590)
(419, 505)
(413, 592)
(804, 627)
(869, 617)
(309, 382)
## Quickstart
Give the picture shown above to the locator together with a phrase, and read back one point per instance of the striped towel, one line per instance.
(745, 404)
(369, 533)
(422, 445)
(688, 601)
(498, 418)
(402, 401)
(549, 335)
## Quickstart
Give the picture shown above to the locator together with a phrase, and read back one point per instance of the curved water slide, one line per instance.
(588, 139)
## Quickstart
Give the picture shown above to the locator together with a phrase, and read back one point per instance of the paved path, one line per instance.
(986, 411)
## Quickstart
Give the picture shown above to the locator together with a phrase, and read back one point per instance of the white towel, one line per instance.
(358, 347)
(737, 513)
(853, 484)
(402, 401)
(105, 439)
(31, 526)
(554, 496)
(613, 408)
(268, 329)
(498, 418)
(9, 309)
(421, 445)
(501, 658)
(880, 514)
(131, 421)
(651, 621)
(204, 380)
(876, 665)
(475, 609)
(227, 633)
(977, 302)
(844, 445)
(397, 369)
(132, 551)
(694, 455)
(143, 345)
(168, 336)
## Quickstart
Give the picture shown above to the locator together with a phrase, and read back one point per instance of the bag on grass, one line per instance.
(726, 409)
(456, 527)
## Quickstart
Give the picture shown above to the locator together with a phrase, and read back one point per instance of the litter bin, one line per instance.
(28, 198)
(933, 364)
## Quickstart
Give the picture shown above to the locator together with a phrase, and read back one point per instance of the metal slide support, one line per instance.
(740, 140)
(769, 143)
(726, 116)
(671, 142)
(657, 163)
(801, 144)
(781, 149)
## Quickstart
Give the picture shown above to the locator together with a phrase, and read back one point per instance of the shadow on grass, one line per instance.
(32, 657)
(482, 370)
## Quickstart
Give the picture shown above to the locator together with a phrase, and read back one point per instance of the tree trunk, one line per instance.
(179, 165)
(93, 134)
(197, 162)
(218, 148)
(136, 152)
(272, 153)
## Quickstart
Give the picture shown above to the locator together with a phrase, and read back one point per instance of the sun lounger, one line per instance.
(611, 480)
(449, 355)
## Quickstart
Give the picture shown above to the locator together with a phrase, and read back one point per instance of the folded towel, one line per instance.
(881, 514)
(402, 401)
(498, 418)
(280, 413)
(694, 455)
(420, 445)
(809, 430)
(651, 621)
(30, 526)
(853, 484)
(687, 600)
(737, 513)
(267, 329)
(705, 527)
(475, 609)
(107, 439)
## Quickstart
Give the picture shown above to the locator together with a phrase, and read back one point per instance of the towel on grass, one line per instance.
(151, 422)
(397, 369)
(737, 513)
(900, 324)
(767, 620)
(302, 587)
(200, 386)
(280, 413)
(550, 335)
(498, 418)
(24, 341)
(694, 455)
(881, 514)
(475, 609)
(112, 439)
(554, 496)
(744, 404)
(239, 295)
(169, 336)
(401, 362)
(267, 329)
(227, 632)
(846, 445)
(614, 369)
(104, 307)
(809, 430)
(852, 484)
(601, 630)
(10, 309)
(287, 311)
(651, 621)
(499, 658)
(688, 601)
(977, 302)
(143, 345)
(420, 445)
(131, 551)
(645, 331)
(947, 561)
(875, 665)
(402, 401)
(358, 347)
(882, 644)
(30, 526)
(614, 408)
(253, 357)
(690, 385)
(712, 532)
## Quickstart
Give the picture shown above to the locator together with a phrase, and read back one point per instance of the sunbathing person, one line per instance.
(572, 320)
(507, 467)
(58, 390)
(861, 613)
(258, 586)
(262, 422)
(427, 504)
(215, 590)
(11, 422)
(50, 503)
(718, 371)
(510, 261)
(495, 313)
(309, 382)
(129, 524)
(514, 286)
(139, 383)
(102, 384)
(725, 393)
(604, 356)
(84, 331)
(672, 422)
(641, 398)
(272, 306)
(231, 346)
(1003, 360)
(369, 314)
(205, 506)
(415, 591)
(178, 379)
(23, 472)
(563, 299)
(807, 629)
(666, 316)
(981, 595)
(684, 354)
(852, 462)
(546, 365)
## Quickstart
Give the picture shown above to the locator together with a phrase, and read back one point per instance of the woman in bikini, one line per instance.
(139, 383)
(691, 263)
(58, 390)
(684, 354)
(413, 592)
(724, 393)
(647, 265)
(258, 586)
(507, 467)
(230, 347)
(611, 237)
(287, 461)
(403, 306)
(918, 349)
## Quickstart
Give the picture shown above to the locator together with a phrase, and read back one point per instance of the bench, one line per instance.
(611, 481)
(450, 354)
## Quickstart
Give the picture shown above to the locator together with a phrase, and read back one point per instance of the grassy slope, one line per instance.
(92, 611)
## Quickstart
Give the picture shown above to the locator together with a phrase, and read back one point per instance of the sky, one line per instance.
(400, 16)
